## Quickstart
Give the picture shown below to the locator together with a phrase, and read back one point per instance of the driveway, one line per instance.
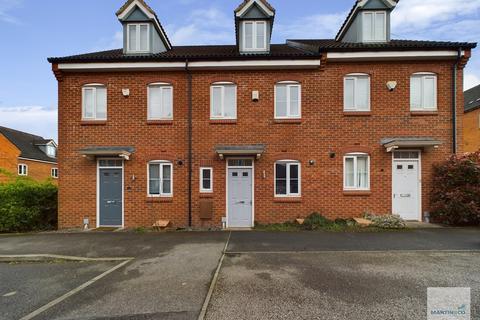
(298, 275)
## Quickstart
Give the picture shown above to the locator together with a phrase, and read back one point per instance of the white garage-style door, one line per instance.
(406, 185)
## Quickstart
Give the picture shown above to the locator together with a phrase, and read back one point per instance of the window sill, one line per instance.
(93, 122)
(160, 122)
(357, 193)
(206, 195)
(424, 113)
(288, 121)
(159, 199)
(357, 113)
(287, 199)
(223, 121)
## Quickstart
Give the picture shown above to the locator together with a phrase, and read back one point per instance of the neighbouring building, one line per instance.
(28, 155)
(471, 120)
(226, 135)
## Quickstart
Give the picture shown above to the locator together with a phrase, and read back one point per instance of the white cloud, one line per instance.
(470, 80)
(5, 7)
(32, 119)
(114, 42)
(314, 26)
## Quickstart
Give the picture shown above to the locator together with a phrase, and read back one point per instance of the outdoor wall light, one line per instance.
(126, 92)
(391, 85)
(311, 162)
(332, 155)
(255, 96)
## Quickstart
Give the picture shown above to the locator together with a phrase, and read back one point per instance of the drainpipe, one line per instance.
(454, 103)
(190, 141)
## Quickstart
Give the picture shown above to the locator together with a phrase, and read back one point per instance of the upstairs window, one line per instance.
(51, 151)
(206, 180)
(287, 178)
(55, 173)
(160, 181)
(374, 26)
(138, 37)
(356, 171)
(255, 36)
(94, 103)
(288, 100)
(160, 101)
(22, 170)
(356, 92)
(423, 92)
(223, 101)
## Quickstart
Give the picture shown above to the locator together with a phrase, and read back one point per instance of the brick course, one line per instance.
(324, 129)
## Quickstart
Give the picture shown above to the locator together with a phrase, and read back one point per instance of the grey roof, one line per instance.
(472, 99)
(248, 147)
(107, 150)
(410, 141)
(28, 144)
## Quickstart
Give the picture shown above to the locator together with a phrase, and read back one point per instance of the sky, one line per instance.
(32, 30)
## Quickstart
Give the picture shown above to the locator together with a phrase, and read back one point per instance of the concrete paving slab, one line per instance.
(339, 285)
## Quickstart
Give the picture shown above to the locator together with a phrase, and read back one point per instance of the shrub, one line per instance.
(456, 191)
(316, 221)
(27, 205)
(389, 221)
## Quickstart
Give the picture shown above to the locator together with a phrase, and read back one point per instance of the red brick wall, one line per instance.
(472, 130)
(324, 129)
(8, 157)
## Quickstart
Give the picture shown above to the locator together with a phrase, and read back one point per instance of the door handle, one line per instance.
(241, 202)
(111, 202)
(405, 195)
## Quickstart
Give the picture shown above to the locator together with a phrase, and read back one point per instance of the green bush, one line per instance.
(27, 205)
(456, 192)
(316, 221)
(389, 221)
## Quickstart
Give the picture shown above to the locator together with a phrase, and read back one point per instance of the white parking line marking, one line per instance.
(10, 294)
(351, 251)
(203, 312)
(71, 293)
(45, 257)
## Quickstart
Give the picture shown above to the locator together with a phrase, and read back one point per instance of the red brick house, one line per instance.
(471, 119)
(227, 135)
(27, 155)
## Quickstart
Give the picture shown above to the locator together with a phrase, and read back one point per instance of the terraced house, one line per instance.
(226, 135)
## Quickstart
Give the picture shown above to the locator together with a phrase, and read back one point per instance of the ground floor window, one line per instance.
(22, 170)
(160, 180)
(287, 178)
(356, 171)
(206, 180)
(55, 173)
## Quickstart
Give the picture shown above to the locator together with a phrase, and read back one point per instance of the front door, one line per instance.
(240, 202)
(111, 202)
(406, 189)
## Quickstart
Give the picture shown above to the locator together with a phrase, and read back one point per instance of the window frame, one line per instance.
(288, 164)
(22, 172)
(288, 84)
(355, 156)
(222, 85)
(52, 170)
(94, 86)
(138, 37)
(202, 189)
(385, 31)
(50, 147)
(161, 85)
(422, 76)
(254, 36)
(161, 164)
(355, 77)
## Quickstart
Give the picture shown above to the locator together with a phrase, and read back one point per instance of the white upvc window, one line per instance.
(160, 101)
(423, 91)
(51, 151)
(138, 37)
(94, 102)
(356, 96)
(160, 179)
(223, 101)
(356, 171)
(287, 178)
(288, 100)
(255, 36)
(54, 173)
(206, 180)
(22, 169)
(374, 26)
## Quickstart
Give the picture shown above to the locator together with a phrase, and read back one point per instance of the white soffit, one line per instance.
(392, 55)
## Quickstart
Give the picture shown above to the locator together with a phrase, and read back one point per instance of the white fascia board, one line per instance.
(35, 160)
(210, 65)
(259, 3)
(392, 55)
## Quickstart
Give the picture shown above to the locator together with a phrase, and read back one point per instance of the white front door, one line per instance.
(240, 201)
(406, 189)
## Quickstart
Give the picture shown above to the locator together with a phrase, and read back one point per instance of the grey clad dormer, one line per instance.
(368, 22)
(142, 32)
(253, 24)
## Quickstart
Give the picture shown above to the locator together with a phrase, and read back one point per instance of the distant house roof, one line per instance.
(472, 99)
(28, 144)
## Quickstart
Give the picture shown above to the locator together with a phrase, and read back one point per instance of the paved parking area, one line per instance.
(298, 275)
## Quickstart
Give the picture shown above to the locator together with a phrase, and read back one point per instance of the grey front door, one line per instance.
(111, 202)
(240, 202)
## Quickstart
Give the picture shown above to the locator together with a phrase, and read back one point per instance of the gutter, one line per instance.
(190, 141)
(454, 102)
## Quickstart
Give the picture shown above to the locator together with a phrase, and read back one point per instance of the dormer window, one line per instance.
(255, 36)
(374, 26)
(51, 151)
(138, 37)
